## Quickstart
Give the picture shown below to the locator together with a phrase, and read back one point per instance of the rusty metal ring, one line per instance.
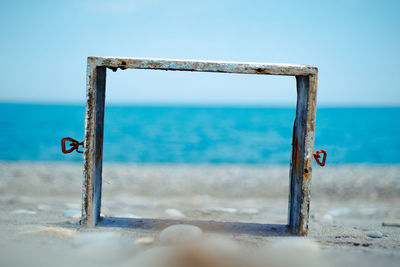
(317, 156)
(74, 145)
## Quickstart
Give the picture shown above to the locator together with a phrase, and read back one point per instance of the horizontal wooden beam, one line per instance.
(115, 63)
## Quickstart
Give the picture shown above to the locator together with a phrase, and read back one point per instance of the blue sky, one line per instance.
(355, 44)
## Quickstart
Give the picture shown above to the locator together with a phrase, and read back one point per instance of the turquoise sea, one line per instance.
(177, 134)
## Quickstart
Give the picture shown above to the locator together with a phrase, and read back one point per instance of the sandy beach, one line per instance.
(193, 112)
(40, 209)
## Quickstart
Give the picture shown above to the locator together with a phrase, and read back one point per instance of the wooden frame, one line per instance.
(303, 132)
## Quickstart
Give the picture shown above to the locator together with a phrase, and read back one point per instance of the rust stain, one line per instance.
(296, 154)
(307, 173)
(305, 233)
(153, 64)
(114, 69)
(107, 62)
(124, 65)
(312, 126)
(121, 64)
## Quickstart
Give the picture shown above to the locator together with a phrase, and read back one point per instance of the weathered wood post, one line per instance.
(303, 132)
(302, 154)
(93, 154)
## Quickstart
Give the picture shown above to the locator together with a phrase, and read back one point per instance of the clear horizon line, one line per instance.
(196, 104)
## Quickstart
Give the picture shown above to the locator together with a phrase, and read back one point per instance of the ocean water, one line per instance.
(173, 134)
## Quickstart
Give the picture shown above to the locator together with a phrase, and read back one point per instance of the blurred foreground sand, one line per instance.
(40, 206)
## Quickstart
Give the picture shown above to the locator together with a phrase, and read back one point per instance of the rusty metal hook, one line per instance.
(317, 157)
(74, 145)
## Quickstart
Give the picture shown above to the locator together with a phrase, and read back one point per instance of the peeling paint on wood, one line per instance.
(302, 151)
(93, 153)
(115, 63)
(303, 132)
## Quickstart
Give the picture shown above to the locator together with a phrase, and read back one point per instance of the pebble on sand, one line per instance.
(339, 211)
(327, 218)
(73, 206)
(56, 231)
(179, 234)
(59, 231)
(28, 212)
(367, 211)
(391, 223)
(221, 209)
(127, 215)
(174, 213)
(72, 213)
(374, 234)
(43, 207)
(146, 240)
(249, 211)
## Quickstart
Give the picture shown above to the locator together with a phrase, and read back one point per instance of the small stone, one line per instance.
(74, 206)
(72, 213)
(174, 213)
(43, 207)
(28, 212)
(391, 223)
(374, 234)
(30, 230)
(179, 233)
(127, 215)
(250, 211)
(59, 231)
(146, 240)
(327, 218)
(367, 211)
(340, 212)
(25, 199)
(221, 209)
